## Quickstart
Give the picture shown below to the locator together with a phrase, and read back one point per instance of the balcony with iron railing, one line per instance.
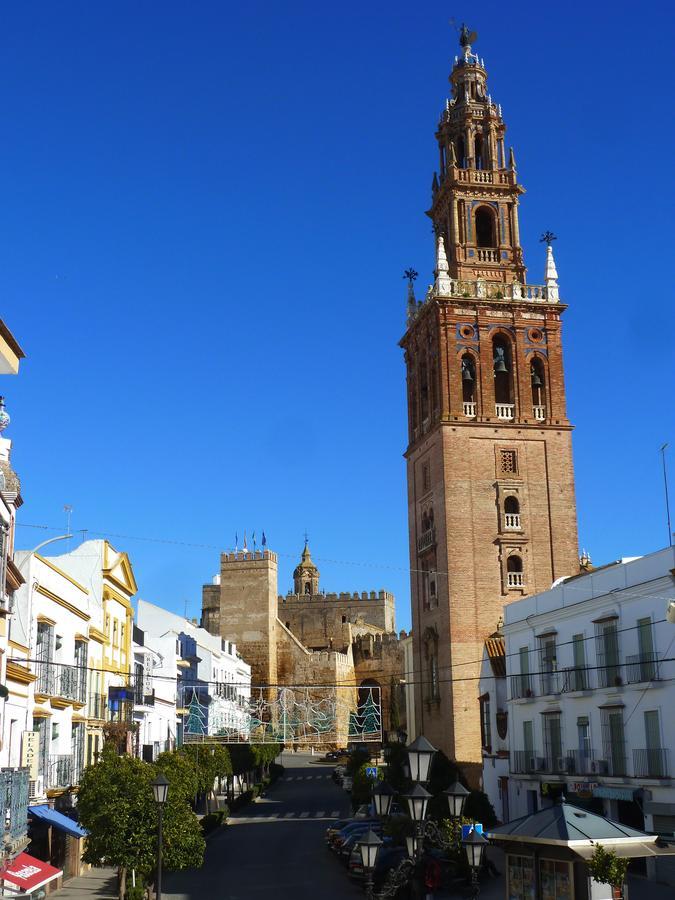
(651, 763)
(614, 761)
(59, 771)
(521, 686)
(97, 706)
(13, 810)
(576, 678)
(426, 540)
(642, 667)
(549, 682)
(610, 675)
(469, 408)
(505, 411)
(524, 762)
(512, 521)
(580, 762)
(61, 680)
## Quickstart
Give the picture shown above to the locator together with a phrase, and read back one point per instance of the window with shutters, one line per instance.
(651, 761)
(548, 665)
(553, 742)
(613, 740)
(485, 727)
(607, 650)
(578, 676)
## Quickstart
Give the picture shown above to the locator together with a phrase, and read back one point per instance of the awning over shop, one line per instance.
(28, 873)
(57, 819)
(628, 851)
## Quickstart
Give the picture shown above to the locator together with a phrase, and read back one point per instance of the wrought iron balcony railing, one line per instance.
(610, 675)
(60, 771)
(61, 680)
(97, 706)
(550, 682)
(580, 762)
(642, 667)
(521, 686)
(577, 678)
(427, 539)
(651, 763)
(14, 803)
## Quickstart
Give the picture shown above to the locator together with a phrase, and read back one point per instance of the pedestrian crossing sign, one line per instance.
(371, 771)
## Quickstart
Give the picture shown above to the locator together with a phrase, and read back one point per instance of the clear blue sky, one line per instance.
(206, 210)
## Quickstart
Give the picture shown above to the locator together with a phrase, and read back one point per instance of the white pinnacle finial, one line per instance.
(551, 275)
(442, 285)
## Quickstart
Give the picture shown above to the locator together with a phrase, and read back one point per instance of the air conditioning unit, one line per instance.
(36, 788)
(600, 766)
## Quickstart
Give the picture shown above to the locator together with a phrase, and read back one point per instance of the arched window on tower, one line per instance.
(308, 587)
(486, 233)
(468, 371)
(461, 152)
(503, 378)
(478, 153)
(511, 514)
(538, 381)
(514, 571)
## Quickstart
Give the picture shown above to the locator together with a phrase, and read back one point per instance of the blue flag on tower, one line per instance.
(253, 540)
(236, 541)
(264, 540)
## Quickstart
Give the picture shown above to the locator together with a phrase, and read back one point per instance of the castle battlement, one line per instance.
(343, 597)
(250, 556)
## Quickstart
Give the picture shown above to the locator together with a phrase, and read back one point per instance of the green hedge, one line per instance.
(213, 820)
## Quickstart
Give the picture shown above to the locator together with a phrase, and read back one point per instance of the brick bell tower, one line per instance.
(492, 513)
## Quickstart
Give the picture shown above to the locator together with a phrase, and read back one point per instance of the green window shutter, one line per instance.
(652, 730)
(528, 737)
(645, 638)
(578, 649)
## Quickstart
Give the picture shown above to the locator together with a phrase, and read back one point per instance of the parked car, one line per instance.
(359, 827)
(345, 849)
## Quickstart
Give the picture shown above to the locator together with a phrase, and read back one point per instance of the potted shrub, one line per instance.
(605, 867)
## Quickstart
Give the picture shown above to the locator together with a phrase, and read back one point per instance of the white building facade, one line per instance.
(493, 701)
(591, 683)
(203, 676)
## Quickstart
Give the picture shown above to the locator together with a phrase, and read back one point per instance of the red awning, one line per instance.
(28, 873)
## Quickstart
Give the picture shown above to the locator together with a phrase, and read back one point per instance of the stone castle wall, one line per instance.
(318, 620)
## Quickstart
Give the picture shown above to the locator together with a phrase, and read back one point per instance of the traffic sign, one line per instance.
(371, 771)
(466, 829)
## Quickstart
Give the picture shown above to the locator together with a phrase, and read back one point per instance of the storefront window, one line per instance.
(556, 883)
(521, 878)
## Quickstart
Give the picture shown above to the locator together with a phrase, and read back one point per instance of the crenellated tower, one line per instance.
(492, 514)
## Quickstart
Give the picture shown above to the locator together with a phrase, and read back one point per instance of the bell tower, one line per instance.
(492, 514)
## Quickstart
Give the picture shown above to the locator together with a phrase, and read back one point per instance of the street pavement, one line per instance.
(275, 848)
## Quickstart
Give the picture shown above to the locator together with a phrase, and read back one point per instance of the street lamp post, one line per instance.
(160, 788)
(420, 755)
(369, 847)
(474, 845)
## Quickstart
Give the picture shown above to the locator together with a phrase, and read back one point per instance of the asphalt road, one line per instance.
(275, 848)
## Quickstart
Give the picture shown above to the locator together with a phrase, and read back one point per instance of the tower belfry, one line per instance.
(492, 514)
(475, 194)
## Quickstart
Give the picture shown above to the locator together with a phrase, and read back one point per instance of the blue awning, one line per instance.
(57, 819)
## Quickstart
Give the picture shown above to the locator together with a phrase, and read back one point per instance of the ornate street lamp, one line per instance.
(369, 846)
(412, 845)
(418, 798)
(160, 788)
(420, 754)
(383, 797)
(456, 795)
(474, 845)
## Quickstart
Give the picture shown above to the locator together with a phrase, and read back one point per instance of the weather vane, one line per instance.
(547, 238)
(411, 275)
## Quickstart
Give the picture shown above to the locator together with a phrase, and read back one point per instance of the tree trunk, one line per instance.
(122, 881)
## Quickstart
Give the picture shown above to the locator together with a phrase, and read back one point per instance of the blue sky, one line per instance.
(206, 212)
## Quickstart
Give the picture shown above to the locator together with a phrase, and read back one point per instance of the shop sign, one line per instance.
(30, 749)
(613, 793)
(583, 788)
